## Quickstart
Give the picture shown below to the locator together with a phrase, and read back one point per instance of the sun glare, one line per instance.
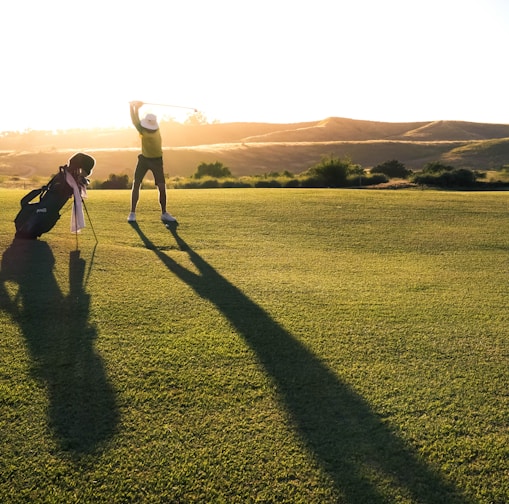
(278, 62)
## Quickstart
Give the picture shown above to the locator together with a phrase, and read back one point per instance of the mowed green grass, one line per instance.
(314, 346)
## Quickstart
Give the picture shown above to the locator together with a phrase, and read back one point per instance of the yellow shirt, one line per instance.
(151, 144)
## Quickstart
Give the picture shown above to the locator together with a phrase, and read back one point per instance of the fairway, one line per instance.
(278, 346)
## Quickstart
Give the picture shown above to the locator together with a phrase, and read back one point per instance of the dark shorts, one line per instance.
(155, 165)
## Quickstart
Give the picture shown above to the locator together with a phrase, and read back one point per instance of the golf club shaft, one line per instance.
(89, 220)
(170, 106)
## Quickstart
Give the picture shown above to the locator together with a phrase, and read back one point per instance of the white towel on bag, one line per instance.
(77, 217)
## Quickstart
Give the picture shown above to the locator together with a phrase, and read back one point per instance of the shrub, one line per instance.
(292, 183)
(235, 184)
(393, 169)
(268, 183)
(331, 172)
(436, 167)
(366, 180)
(115, 182)
(462, 177)
(457, 177)
(311, 182)
(188, 184)
(210, 184)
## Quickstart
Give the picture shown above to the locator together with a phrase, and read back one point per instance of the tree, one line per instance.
(195, 119)
(216, 170)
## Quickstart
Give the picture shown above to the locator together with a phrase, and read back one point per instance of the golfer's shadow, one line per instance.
(338, 426)
(82, 411)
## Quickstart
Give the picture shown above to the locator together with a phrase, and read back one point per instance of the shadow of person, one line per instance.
(82, 411)
(353, 446)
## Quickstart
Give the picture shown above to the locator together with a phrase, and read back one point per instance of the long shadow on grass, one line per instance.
(352, 445)
(82, 411)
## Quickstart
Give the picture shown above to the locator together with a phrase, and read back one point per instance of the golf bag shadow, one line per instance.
(37, 218)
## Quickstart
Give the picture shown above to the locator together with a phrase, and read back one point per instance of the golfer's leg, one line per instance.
(135, 195)
(162, 196)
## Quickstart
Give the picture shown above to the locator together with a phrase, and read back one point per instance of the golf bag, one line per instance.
(37, 218)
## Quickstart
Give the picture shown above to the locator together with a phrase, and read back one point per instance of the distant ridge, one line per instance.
(256, 148)
(457, 130)
(340, 129)
(332, 129)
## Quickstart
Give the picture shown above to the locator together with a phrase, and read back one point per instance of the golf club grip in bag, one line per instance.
(37, 218)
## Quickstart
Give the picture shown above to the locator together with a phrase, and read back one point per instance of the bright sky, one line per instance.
(77, 63)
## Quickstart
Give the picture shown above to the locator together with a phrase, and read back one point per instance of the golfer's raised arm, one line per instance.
(135, 118)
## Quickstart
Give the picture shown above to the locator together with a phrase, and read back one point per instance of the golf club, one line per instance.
(90, 220)
(195, 110)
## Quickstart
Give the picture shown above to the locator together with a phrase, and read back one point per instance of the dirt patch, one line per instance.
(394, 184)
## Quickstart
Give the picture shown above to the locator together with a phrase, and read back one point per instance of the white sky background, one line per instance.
(69, 63)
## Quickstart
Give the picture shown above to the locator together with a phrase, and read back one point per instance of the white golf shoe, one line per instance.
(166, 217)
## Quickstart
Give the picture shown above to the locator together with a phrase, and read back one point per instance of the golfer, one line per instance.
(151, 158)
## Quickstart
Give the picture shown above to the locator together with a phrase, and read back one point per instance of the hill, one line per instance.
(254, 148)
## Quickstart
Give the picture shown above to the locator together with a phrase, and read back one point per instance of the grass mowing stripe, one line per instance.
(280, 346)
